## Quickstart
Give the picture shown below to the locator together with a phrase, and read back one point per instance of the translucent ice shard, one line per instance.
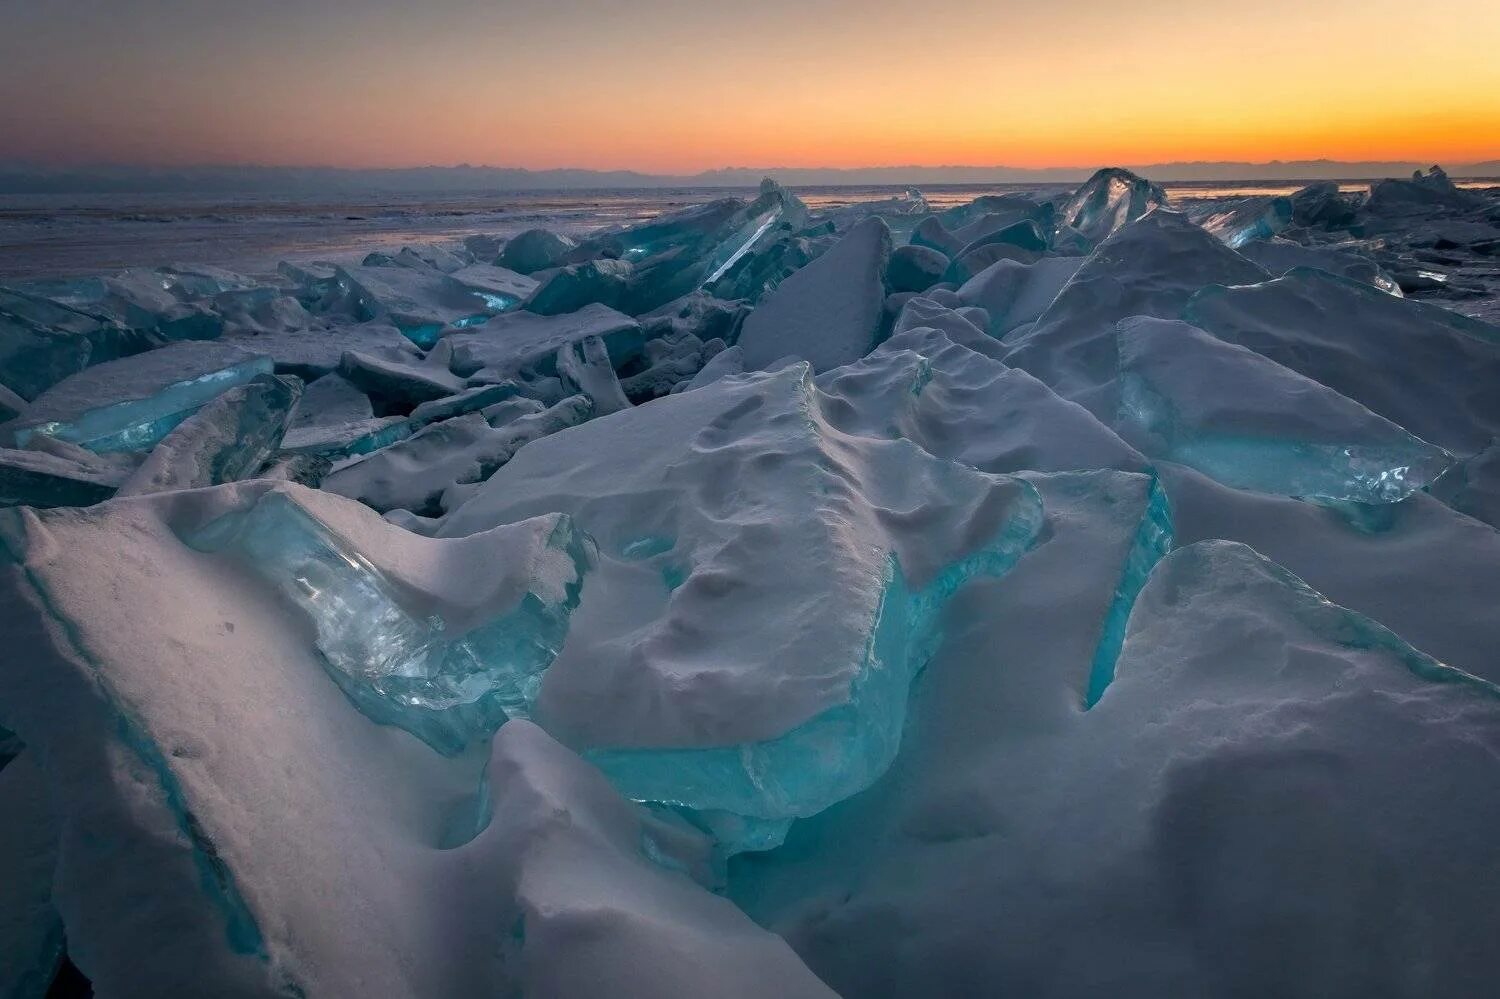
(228, 439)
(764, 219)
(131, 403)
(1422, 367)
(571, 288)
(1247, 220)
(446, 682)
(1108, 200)
(1251, 423)
(42, 342)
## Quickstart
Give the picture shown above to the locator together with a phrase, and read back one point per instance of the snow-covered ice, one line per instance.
(1061, 593)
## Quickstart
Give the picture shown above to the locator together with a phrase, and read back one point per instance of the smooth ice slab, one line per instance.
(827, 313)
(1422, 367)
(131, 403)
(447, 678)
(769, 587)
(1251, 423)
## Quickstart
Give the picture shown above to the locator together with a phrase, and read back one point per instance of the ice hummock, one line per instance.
(448, 682)
(683, 574)
(610, 626)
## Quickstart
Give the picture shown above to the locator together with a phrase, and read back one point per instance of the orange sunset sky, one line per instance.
(669, 86)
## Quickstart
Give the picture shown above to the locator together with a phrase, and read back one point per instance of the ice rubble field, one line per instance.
(1057, 595)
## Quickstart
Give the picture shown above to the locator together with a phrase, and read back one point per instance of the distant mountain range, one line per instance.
(21, 179)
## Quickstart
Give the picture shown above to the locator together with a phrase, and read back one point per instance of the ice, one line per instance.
(159, 302)
(670, 361)
(1416, 566)
(961, 405)
(901, 213)
(53, 473)
(230, 438)
(425, 472)
(1273, 794)
(499, 288)
(534, 250)
(584, 368)
(1251, 423)
(727, 362)
(1473, 486)
(676, 253)
(829, 311)
(404, 381)
(314, 351)
(1422, 367)
(348, 438)
(755, 275)
(331, 400)
(467, 401)
(131, 403)
(419, 303)
(922, 311)
(850, 544)
(1278, 256)
(1109, 200)
(31, 935)
(246, 867)
(915, 268)
(524, 342)
(42, 342)
(844, 601)
(1422, 192)
(1323, 204)
(1015, 293)
(1248, 220)
(1149, 267)
(11, 405)
(576, 286)
(448, 679)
